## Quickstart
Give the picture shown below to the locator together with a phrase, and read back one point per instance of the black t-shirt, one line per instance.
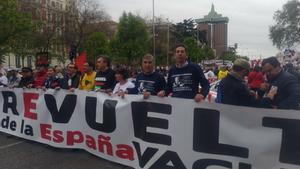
(184, 82)
(152, 83)
(105, 80)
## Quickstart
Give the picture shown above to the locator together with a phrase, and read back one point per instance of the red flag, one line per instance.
(80, 60)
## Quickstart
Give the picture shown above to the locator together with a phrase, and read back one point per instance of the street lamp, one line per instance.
(153, 24)
(211, 34)
(168, 42)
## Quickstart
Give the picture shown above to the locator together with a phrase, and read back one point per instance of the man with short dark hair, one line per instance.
(71, 79)
(288, 94)
(27, 79)
(87, 81)
(184, 78)
(234, 91)
(105, 77)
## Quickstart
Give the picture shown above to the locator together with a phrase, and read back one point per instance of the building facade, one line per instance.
(215, 28)
(52, 13)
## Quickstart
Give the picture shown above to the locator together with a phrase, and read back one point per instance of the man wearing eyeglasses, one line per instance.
(71, 79)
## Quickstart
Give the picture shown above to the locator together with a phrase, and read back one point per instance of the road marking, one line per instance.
(10, 145)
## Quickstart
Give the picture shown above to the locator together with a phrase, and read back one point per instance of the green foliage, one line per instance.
(194, 52)
(232, 56)
(208, 53)
(95, 45)
(285, 33)
(198, 53)
(185, 29)
(132, 39)
(14, 27)
(229, 56)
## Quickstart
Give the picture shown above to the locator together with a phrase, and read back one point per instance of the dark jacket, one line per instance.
(288, 92)
(234, 91)
(26, 81)
(52, 82)
(70, 82)
(184, 82)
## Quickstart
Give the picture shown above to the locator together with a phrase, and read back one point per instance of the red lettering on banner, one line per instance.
(58, 136)
(104, 141)
(74, 137)
(28, 105)
(90, 142)
(125, 152)
(46, 131)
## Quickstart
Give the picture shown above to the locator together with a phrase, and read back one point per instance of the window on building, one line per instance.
(18, 62)
(29, 61)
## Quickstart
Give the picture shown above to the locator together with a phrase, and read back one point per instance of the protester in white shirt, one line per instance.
(123, 84)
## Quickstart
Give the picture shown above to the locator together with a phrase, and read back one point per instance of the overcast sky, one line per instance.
(249, 20)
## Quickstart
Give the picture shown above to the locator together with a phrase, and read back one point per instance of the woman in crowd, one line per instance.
(123, 84)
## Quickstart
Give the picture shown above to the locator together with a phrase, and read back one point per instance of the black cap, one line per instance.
(26, 69)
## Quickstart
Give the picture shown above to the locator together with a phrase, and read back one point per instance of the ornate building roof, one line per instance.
(212, 17)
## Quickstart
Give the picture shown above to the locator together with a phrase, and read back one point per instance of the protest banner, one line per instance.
(158, 133)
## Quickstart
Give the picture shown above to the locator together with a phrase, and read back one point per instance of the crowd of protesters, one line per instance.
(268, 86)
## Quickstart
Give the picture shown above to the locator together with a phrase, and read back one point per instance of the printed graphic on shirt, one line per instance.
(182, 82)
(146, 85)
(99, 82)
(100, 79)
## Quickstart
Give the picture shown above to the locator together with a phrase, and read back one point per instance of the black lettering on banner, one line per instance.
(165, 159)
(9, 105)
(66, 109)
(206, 135)
(290, 145)
(109, 115)
(205, 163)
(141, 121)
(146, 156)
(244, 166)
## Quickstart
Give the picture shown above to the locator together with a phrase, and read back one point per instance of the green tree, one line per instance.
(194, 52)
(230, 55)
(86, 17)
(185, 29)
(208, 53)
(13, 24)
(285, 33)
(23, 46)
(132, 39)
(96, 44)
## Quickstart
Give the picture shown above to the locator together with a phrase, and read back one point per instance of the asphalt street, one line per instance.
(17, 153)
